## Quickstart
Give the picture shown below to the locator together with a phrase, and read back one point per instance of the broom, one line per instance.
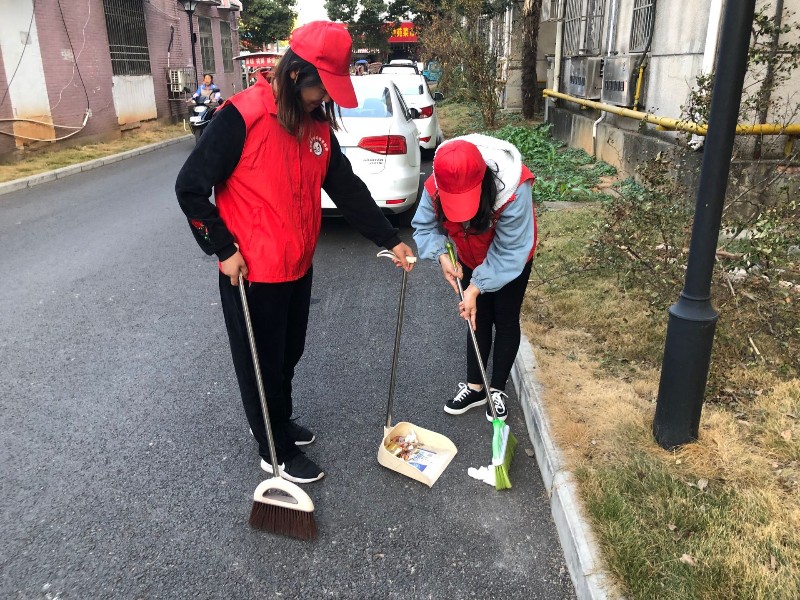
(503, 441)
(279, 505)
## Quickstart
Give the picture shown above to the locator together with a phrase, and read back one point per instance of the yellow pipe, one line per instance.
(677, 124)
(638, 87)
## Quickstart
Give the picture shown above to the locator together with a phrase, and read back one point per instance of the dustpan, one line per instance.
(422, 454)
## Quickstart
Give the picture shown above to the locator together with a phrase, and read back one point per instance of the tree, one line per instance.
(368, 21)
(265, 22)
(531, 15)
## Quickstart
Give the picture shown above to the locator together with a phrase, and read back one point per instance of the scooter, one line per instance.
(203, 109)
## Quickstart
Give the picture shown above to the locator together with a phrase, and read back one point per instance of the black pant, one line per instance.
(499, 310)
(279, 312)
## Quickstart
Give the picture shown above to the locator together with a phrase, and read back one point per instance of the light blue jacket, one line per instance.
(508, 253)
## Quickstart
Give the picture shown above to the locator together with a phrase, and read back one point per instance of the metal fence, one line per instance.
(127, 37)
(642, 25)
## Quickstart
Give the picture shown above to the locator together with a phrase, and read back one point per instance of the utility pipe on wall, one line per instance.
(610, 40)
(678, 124)
(709, 52)
(562, 7)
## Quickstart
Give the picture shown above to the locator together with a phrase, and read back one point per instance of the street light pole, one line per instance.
(692, 319)
(190, 13)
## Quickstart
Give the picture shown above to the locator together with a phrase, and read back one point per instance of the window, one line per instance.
(206, 44)
(127, 37)
(583, 25)
(642, 25)
(227, 46)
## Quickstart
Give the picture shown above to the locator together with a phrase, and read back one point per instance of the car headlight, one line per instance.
(199, 109)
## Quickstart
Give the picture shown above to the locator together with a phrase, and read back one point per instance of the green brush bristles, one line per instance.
(503, 446)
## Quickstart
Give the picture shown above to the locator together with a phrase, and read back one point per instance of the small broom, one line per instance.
(279, 505)
(503, 441)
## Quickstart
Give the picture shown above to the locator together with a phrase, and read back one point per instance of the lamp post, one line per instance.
(692, 319)
(189, 6)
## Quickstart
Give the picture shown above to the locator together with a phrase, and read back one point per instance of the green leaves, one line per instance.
(265, 22)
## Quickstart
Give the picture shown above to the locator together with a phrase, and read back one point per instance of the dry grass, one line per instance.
(48, 159)
(728, 504)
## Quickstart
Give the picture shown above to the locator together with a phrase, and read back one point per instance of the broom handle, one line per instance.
(398, 331)
(276, 469)
(452, 254)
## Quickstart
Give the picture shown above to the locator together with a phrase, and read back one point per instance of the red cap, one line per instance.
(327, 46)
(459, 169)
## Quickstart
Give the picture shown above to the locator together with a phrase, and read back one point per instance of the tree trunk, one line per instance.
(531, 15)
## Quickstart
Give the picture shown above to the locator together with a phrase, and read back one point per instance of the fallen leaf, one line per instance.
(790, 415)
(671, 527)
(787, 435)
(702, 484)
(776, 465)
(679, 461)
(773, 563)
(688, 560)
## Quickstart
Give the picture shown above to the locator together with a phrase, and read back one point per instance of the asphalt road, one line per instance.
(128, 469)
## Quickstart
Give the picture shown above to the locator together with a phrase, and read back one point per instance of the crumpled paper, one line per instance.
(484, 474)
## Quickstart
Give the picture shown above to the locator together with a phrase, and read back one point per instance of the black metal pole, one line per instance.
(191, 43)
(692, 319)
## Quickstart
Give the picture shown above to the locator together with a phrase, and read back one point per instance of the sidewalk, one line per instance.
(575, 535)
(27, 182)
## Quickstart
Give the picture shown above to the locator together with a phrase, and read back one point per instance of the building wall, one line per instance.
(74, 72)
(677, 56)
(77, 75)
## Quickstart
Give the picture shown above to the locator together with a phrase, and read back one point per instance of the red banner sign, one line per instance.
(404, 33)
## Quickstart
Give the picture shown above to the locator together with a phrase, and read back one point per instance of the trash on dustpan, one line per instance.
(415, 452)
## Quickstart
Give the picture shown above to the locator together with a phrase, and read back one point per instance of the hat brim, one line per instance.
(461, 207)
(339, 88)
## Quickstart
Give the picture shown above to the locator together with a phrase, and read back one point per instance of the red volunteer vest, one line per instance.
(271, 203)
(473, 247)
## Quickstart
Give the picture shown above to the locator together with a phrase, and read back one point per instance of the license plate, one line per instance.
(194, 119)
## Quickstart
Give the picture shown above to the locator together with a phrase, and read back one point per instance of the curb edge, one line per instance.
(574, 531)
(47, 176)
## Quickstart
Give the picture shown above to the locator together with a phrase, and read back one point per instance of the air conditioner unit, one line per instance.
(178, 79)
(550, 10)
(582, 76)
(619, 80)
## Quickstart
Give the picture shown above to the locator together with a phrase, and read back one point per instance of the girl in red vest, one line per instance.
(480, 197)
(266, 156)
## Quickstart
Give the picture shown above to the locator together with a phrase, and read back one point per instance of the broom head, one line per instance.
(281, 507)
(503, 446)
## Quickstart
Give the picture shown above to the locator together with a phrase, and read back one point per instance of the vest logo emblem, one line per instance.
(317, 145)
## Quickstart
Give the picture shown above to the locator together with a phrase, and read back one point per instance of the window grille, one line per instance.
(227, 46)
(594, 26)
(127, 37)
(206, 45)
(583, 26)
(573, 17)
(642, 25)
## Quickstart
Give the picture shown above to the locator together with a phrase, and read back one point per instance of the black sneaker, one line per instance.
(465, 399)
(300, 435)
(298, 469)
(499, 399)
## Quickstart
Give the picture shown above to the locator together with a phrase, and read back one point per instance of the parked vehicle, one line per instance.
(381, 142)
(433, 71)
(417, 94)
(399, 68)
(203, 109)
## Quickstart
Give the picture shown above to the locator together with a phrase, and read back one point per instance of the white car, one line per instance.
(416, 93)
(381, 142)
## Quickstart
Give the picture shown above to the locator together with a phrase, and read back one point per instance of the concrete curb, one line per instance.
(574, 531)
(27, 182)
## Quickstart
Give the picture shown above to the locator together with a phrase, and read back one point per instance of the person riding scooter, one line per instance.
(207, 94)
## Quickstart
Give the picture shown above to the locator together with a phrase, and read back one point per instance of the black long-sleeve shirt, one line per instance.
(214, 160)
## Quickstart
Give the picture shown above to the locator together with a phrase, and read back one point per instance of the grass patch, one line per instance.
(718, 519)
(48, 159)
